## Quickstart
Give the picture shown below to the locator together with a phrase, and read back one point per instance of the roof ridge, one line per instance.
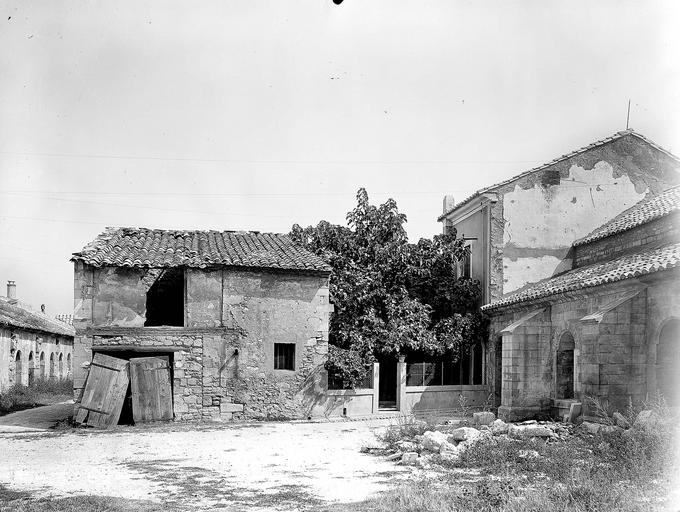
(554, 161)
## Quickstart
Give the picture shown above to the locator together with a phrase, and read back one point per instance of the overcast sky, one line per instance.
(256, 115)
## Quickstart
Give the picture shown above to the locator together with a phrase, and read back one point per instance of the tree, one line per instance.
(391, 297)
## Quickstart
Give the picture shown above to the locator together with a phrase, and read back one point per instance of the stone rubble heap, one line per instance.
(456, 436)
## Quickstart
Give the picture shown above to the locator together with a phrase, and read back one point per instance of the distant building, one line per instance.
(520, 230)
(32, 345)
(608, 328)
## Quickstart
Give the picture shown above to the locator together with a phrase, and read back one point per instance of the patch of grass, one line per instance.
(40, 392)
(406, 428)
(21, 501)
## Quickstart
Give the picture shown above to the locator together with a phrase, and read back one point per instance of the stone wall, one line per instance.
(615, 328)
(665, 230)
(224, 356)
(31, 346)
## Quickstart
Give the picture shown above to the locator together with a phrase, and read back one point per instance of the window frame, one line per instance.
(287, 358)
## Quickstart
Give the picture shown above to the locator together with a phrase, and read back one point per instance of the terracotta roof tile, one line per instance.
(143, 247)
(14, 315)
(643, 212)
(624, 267)
(601, 142)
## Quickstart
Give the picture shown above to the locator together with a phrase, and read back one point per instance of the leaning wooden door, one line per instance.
(151, 389)
(105, 388)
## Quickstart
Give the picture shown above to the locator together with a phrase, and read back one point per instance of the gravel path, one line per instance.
(264, 466)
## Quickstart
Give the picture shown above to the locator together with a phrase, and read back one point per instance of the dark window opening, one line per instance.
(284, 356)
(443, 371)
(465, 264)
(165, 300)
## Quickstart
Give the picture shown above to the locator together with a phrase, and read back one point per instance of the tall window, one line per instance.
(284, 356)
(467, 370)
(465, 265)
(165, 299)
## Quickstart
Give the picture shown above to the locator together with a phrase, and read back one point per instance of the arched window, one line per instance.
(668, 362)
(31, 369)
(53, 368)
(564, 385)
(61, 366)
(19, 368)
(42, 365)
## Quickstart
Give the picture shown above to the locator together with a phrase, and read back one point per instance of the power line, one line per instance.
(248, 161)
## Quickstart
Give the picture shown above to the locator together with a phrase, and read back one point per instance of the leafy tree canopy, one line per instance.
(391, 297)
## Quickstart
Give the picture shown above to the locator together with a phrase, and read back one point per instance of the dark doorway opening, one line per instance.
(165, 300)
(565, 367)
(126, 414)
(668, 363)
(387, 390)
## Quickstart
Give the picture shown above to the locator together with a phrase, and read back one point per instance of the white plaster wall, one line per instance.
(554, 217)
(516, 273)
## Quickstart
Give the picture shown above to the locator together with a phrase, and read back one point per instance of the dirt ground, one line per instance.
(262, 466)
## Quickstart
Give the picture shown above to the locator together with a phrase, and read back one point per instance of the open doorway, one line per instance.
(135, 407)
(387, 389)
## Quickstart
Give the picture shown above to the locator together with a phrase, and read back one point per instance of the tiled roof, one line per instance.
(595, 144)
(643, 212)
(14, 315)
(625, 267)
(142, 247)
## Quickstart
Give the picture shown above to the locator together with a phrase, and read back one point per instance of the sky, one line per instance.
(258, 114)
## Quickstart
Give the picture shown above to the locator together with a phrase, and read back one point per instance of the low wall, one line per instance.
(423, 399)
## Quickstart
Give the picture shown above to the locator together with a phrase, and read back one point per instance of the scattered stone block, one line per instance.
(531, 430)
(409, 458)
(528, 454)
(575, 411)
(499, 427)
(447, 447)
(590, 427)
(620, 420)
(408, 446)
(483, 418)
(395, 456)
(464, 434)
(432, 440)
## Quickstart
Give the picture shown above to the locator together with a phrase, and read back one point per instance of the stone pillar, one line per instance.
(401, 385)
(376, 387)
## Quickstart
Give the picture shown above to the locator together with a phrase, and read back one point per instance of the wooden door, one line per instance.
(151, 390)
(105, 388)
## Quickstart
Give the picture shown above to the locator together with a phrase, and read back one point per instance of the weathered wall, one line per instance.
(544, 212)
(224, 356)
(33, 344)
(278, 308)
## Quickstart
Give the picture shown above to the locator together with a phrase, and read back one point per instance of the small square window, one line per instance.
(284, 356)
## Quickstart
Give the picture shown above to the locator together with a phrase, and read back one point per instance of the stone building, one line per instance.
(241, 316)
(607, 328)
(32, 345)
(520, 230)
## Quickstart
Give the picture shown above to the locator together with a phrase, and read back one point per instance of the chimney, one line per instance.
(42, 308)
(11, 290)
(448, 203)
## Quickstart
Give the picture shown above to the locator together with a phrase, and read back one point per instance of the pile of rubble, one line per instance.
(451, 440)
